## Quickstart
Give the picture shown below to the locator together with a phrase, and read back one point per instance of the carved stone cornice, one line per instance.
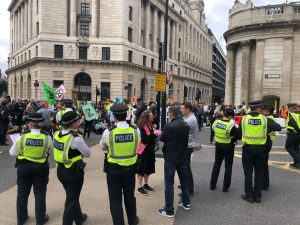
(246, 44)
(230, 47)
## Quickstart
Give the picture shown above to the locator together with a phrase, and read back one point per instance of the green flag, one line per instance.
(49, 93)
(89, 112)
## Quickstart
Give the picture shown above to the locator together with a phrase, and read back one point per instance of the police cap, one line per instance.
(257, 103)
(230, 112)
(35, 117)
(268, 107)
(118, 109)
(67, 101)
(69, 118)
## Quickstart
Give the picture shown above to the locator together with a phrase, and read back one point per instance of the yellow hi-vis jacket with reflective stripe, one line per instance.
(254, 130)
(33, 147)
(222, 131)
(61, 148)
(272, 134)
(122, 146)
(296, 117)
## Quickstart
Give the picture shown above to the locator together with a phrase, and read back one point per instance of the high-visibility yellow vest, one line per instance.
(296, 117)
(61, 148)
(122, 146)
(272, 134)
(222, 131)
(254, 130)
(33, 147)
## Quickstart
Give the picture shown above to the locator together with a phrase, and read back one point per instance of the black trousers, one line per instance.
(292, 146)
(28, 175)
(3, 132)
(189, 169)
(253, 157)
(121, 180)
(72, 182)
(266, 178)
(223, 151)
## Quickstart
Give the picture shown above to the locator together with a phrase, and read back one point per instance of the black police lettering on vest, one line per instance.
(254, 122)
(34, 142)
(221, 126)
(121, 138)
(58, 145)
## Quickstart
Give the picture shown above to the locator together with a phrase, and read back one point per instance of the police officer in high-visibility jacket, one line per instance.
(225, 135)
(254, 130)
(69, 150)
(268, 112)
(121, 143)
(32, 149)
(293, 135)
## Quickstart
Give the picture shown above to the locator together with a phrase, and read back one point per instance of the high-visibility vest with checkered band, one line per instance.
(222, 131)
(272, 134)
(122, 146)
(61, 148)
(254, 130)
(33, 147)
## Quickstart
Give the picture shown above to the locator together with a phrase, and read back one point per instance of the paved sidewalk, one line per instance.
(94, 198)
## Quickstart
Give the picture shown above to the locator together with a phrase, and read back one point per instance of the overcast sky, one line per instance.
(216, 14)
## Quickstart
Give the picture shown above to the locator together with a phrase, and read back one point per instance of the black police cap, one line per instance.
(230, 111)
(67, 101)
(69, 118)
(35, 117)
(118, 109)
(256, 103)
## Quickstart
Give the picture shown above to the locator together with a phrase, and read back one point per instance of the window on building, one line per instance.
(22, 58)
(178, 56)
(173, 5)
(178, 71)
(37, 7)
(85, 9)
(25, 56)
(144, 60)
(58, 51)
(82, 52)
(152, 63)
(57, 83)
(179, 43)
(130, 13)
(37, 28)
(129, 34)
(106, 53)
(18, 60)
(36, 51)
(180, 12)
(84, 30)
(29, 54)
(130, 53)
(105, 90)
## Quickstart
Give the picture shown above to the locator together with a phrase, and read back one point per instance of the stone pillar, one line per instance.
(29, 15)
(155, 29)
(259, 69)
(94, 18)
(246, 45)
(140, 23)
(26, 23)
(169, 38)
(173, 41)
(230, 75)
(162, 27)
(148, 24)
(73, 19)
(19, 28)
(286, 71)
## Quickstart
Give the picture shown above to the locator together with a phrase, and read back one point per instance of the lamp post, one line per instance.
(36, 85)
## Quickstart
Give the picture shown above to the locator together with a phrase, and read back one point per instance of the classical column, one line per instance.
(286, 71)
(73, 18)
(155, 29)
(173, 39)
(246, 45)
(26, 23)
(140, 23)
(148, 24)
(29, 16)
(22, 24)
(230, 75)
(94, 18)
(19, 28)
(169, 38)
(259, 69)
(162, 27)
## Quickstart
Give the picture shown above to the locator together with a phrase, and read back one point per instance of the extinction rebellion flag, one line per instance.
(89, 112)
(49, 94)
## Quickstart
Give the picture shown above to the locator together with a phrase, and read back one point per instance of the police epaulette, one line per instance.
(133, 126)
(110, 129)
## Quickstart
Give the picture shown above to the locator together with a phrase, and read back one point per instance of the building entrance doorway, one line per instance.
(272, 100)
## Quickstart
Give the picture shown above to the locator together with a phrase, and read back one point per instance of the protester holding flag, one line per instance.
(49, 93)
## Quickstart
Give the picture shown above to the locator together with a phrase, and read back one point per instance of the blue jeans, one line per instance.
(170, 168)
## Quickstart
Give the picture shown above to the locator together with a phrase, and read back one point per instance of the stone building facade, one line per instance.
(109, 44)
(263, 53)
(218, 71)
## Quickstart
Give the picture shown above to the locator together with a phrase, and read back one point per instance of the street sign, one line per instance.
(160, 82)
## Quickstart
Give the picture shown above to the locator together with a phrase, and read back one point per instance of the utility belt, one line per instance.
(114, 166)
(77, 166)
(25, 161)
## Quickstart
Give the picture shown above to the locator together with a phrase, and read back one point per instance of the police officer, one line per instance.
(254, 129)
(225, 136)
(268, 112)
(121, 141)
(69, 149)
(32, 149)
(293, 135)
(66, 106)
